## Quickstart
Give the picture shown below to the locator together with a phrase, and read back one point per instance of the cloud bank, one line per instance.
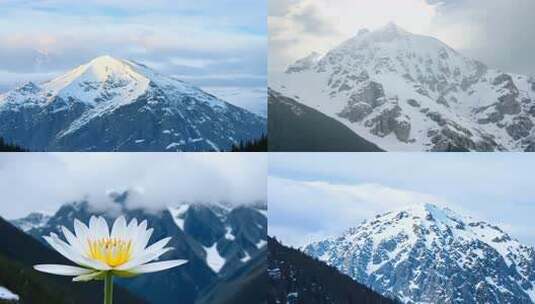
(314, 195)
(299, 27)
(305, 211)
(44, 181)
(208, 43)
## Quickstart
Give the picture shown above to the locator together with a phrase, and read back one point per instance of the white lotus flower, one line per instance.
(100, 253)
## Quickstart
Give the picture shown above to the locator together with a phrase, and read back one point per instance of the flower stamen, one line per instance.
(113, 252)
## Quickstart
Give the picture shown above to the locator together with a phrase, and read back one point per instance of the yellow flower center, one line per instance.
(112, 252)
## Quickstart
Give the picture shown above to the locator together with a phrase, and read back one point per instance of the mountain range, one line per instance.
(428, 254)
(222, 242)
(111, 104)
(408, 92)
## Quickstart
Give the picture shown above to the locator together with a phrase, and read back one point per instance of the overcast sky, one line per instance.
(498, 32)
(208, 43)
(316, 195)
(42, 182)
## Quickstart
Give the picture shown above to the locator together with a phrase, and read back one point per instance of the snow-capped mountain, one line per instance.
(112, 104)
(427, 254)
(33, 220)
(215, 238)
(407, 92)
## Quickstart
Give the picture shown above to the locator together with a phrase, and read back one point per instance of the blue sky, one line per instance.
(316, 195)
(206, 42)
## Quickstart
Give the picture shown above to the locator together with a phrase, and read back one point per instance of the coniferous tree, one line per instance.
(8, 147)
(255, 145)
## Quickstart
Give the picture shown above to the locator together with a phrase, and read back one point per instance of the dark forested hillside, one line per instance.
(248, 284)
(7, 147)
(294, 127)
(256, 145)
(19, 252)
(296, 278)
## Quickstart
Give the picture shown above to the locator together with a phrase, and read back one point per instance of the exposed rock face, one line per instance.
(304, 63)
(364, 101)
(520, 128)
(426, 254)
(413, 103)
(389, 81)
(391, 121)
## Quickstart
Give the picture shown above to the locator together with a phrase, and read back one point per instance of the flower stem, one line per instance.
(108, 288)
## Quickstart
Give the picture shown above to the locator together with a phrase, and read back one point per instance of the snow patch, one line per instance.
(6, 294)
(229, 235)
(179, 215)
(213, 259)
(261, 244)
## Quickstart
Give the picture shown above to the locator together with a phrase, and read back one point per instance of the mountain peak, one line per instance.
(100, 68)
(391, 27)
(432, 213)
(423, 242)
(363, 31)
(384, 34)
(389, 32)
(105, 59)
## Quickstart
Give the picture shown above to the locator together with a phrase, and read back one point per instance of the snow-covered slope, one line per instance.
(7, 295)
(32, 221)
(228, 235)
(114, 104)
(407, 92)
(427, 254)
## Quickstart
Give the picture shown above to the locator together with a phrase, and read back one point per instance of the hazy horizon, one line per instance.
(42, 182)
(318, 195)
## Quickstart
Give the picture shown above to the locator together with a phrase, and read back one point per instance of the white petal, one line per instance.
(143, 259)
(64, 270)
(72, 255)
(73, 241)
(87, 277)
(154, 247)
(82, 233)
(104, 229)
(158, 245)
(158, 266)
(141, 229)
(93, 228)
(141, 242)
(64, 249)
(132, 227)
(119, 228)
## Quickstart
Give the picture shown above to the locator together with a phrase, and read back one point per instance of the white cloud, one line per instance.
(319, 208)
(313, 194)
(470, 26)
(197, 35)
(44, 181)
(292, 37)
